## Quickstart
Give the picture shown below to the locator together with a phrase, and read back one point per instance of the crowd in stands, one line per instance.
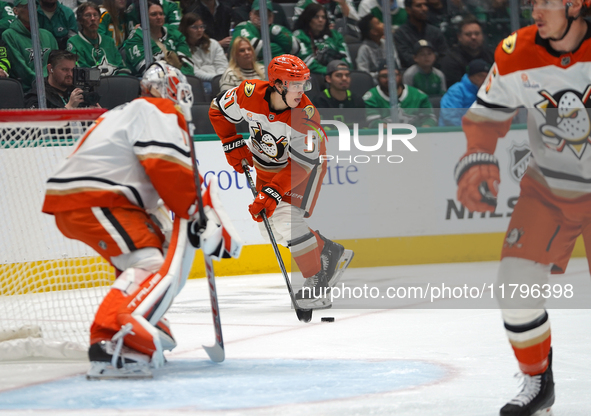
(443, 48)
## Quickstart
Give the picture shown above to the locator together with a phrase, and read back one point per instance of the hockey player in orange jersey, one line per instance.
(545, 68)
(288, 166)
(134, 159)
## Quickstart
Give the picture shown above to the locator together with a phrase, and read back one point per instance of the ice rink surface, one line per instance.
(407, 361)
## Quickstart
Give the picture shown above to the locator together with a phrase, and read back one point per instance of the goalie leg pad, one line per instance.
(141, 298)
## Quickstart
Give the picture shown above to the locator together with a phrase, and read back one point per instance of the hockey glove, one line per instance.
(217, 237)
(477, 176)
(236, 150)
(267, 199)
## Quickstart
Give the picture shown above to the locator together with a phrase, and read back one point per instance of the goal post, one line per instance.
(50, 286)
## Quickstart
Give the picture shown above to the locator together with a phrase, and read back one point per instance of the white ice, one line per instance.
(407, 361)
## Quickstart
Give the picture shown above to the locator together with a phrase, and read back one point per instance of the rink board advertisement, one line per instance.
(392, 205)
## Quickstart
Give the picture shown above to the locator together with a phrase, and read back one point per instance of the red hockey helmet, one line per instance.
(291, 71)
(586, 3)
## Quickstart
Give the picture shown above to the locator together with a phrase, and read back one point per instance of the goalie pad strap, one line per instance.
(473, 159)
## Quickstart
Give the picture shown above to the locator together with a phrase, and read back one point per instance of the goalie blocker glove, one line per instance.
(267, 199)
(236, 150)
(477, 176)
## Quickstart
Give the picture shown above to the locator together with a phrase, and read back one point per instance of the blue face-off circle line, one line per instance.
(233, 385)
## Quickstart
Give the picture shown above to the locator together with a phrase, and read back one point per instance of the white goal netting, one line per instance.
(50, 286)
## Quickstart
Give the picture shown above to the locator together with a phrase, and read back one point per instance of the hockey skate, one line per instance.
(113, 360)
(315, 292)
(536, 397)
(335, 259)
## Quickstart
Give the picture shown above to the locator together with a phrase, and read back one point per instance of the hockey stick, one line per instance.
(216, 352)
(304, 315)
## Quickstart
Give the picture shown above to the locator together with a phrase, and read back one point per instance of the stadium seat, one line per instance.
(199, 95)
(201, 121)
(11, 92)
(361, 82)
(215, 86)
(117, 90)
(316, 90)
(288, 9)
(353, 49)
(435, 101)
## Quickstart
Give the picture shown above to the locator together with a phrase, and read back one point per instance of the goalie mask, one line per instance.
(165, 81)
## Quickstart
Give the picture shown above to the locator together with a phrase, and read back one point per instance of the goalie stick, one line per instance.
(216, 352)
(304, 315)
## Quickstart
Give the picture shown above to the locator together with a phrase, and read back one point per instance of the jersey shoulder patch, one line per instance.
(508, 44)
(249, 88)
(519, 51)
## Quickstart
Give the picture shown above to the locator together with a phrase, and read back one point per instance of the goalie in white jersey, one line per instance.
(131, 159)
(545, 68)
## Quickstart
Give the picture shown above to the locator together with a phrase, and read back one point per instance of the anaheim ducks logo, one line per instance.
(267, 144)
(567, 120)
(248, 88)
(309, 110)
(509, 43)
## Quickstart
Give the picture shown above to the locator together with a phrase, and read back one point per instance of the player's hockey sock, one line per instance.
(306, 253)
(531, 344)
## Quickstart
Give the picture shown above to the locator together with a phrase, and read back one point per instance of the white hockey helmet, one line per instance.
(165, 81)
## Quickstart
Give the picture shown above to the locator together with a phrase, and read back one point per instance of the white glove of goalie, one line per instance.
(218, 238)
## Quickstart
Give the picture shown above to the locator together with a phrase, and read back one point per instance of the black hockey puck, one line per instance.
(327, 319)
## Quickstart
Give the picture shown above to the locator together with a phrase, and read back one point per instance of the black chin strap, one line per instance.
(283, 95)
(570, 21)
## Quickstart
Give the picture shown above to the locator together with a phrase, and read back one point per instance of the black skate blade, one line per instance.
(304, 315)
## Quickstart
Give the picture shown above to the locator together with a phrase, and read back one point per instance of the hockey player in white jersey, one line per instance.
(131, 159)
(545, 68)
(289, 168)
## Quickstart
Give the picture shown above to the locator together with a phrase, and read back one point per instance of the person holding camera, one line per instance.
(318, 43)
(59, 83)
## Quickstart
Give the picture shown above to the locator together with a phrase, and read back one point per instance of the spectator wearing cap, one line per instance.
(338, 94)
(415, 29)
(422, 74)
(19, 46)
(373, 49)
(282, 40)
(460, 96)
(414, 105)
(216, 16)
(58, 19)
(470, 46)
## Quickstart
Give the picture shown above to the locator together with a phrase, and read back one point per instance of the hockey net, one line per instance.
(50, 286)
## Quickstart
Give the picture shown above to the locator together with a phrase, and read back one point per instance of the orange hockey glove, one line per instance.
(267, 199)
(236, 150)
(477, 176)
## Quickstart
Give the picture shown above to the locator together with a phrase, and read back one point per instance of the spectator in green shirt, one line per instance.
(58, 19)
(422, 74)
